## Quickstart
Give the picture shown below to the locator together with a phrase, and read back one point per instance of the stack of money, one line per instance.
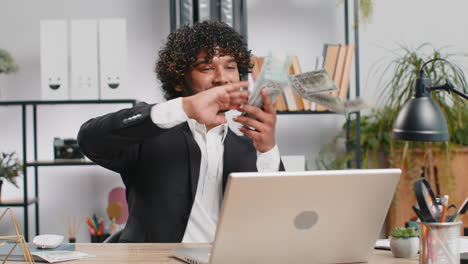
(313, 82)
(273, 77)
(314, 85)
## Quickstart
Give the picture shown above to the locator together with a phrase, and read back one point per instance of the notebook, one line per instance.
(17, 254)
(299, 217)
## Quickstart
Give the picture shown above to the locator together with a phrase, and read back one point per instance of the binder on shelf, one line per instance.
(54, 60)
(84, 83)
(113, 59)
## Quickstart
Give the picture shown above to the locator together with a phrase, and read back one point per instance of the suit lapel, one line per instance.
(229, 159)
(194, 156)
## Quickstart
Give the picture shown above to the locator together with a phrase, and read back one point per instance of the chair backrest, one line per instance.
(114, 237)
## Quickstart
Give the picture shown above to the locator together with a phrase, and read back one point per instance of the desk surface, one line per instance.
(160, 253)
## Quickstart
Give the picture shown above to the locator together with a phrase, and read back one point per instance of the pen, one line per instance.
(91, 231)
(461, 211)
(101, 227)
(91, 224)
(444, 208)
(95, 220)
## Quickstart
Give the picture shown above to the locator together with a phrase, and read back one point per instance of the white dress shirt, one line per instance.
(201, 226)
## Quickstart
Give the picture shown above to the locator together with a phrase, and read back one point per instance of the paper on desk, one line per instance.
(64, 252)
(59, 256)
(385, 244)
(382, 244)
(463, 244)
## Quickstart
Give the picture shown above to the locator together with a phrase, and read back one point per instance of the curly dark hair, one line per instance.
(184, 44)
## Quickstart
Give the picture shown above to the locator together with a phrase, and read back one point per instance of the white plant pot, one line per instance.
(404, 247)
(3, 84)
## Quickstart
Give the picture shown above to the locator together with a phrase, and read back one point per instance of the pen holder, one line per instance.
(99, 238)
(439, 242)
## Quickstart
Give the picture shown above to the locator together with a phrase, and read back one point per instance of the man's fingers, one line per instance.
(220, 119)
(255, 111)
(250, 122)
(238, 98)
(231, 87)
(254, 135)
(267, 105)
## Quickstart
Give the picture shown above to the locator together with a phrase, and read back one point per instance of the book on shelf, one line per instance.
(257, 66)
(296, 69)
(330, 54)
(319, 64)
(338, 61)
(344, 84)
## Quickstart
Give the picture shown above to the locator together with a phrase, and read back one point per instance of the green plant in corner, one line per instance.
(404, 232)
(366, 8)
(10, 167)
(376, 128)
(7, 64)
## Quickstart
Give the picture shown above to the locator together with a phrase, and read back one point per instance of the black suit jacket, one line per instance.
(159, 167)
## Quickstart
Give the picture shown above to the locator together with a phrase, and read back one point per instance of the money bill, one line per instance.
(273, 77)
(313, 82)
(336, 104)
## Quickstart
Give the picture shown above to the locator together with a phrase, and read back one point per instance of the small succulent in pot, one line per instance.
(404, 242)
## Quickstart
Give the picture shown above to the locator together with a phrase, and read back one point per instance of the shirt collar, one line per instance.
(196, 127)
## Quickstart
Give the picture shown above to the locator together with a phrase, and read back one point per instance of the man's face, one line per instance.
(205, 75)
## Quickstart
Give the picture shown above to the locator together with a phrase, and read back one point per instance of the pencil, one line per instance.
(443, 215)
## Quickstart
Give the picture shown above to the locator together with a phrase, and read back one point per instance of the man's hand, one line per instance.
(205, 106)
(263, 132)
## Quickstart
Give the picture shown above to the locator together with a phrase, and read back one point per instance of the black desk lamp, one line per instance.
(421, 118)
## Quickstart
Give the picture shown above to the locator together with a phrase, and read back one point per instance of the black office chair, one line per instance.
(114, 237)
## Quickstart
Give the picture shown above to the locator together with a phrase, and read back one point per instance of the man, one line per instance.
(174, 157)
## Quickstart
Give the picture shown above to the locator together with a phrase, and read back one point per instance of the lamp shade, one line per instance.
(420, 120)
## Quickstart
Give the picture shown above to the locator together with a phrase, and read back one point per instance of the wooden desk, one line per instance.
(160, 253)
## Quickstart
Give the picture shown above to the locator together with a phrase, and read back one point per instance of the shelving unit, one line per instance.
(179, 15)
(26, 201)
(358, 159)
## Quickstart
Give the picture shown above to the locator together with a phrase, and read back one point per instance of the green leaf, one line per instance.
(404, 232)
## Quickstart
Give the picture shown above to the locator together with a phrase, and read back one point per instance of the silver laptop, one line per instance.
(299, 217)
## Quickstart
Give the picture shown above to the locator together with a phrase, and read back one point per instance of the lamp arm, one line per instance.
(449, 87)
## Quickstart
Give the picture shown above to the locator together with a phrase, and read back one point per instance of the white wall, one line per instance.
(411, 23)
(299, 27)
(71, 191)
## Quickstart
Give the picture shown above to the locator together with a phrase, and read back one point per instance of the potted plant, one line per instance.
(10, 168)
(366, 8)
(380, 150)
(7, 65)
(404, 242)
